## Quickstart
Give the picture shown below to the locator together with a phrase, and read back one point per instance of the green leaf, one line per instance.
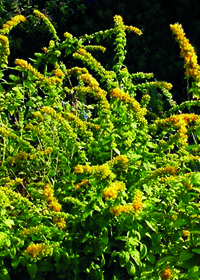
(123, 258)
(9, 223)
(196, 251)
(195, 178)
(131, 268)
(198, 133)
(105, 239)
(151, 258)
(136, 256)
(32, 269)
(143, 251)
(166, 259)
(4, 275)
(45, 266)
(185, 255)
(13, 77)
(16, 261)
(116, 151)
(152, 225)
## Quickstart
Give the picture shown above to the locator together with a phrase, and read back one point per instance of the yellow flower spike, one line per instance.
(24, 64)
(60, 222)
(8, 26)
(47, 22)
(36, 250)
(187, 52)
(137, 201)
(4, 49)
(133, 29)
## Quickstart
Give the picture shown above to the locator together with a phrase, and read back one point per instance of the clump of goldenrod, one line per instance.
(113, 189)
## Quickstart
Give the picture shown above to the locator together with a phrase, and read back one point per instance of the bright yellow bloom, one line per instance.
(8, 26)
(137, 201)
(166, 273)
(133, 29)
(187, 52)
(47, 22)
(113, 189)
(35, 250)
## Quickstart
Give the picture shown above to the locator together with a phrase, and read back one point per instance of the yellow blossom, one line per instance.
(7, 27)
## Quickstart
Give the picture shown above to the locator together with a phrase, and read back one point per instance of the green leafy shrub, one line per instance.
(94, 184)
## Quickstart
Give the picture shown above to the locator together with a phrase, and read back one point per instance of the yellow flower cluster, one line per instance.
(187, 52)
(117, 210)
(181, 123)
(97, 48)
(60, 222)
(38, 115)
(45, 49)
(133, 29)
(4, 49)
(15, 182)
(121, 160)
(47, 22)
(48, 110)
(91, 61)
(137, 201)
(93, 84)
(84, 182)
(125, 97)
(30, 231)
(68, 36)
(167, 170)
(166, 274)
(59, 73)
(185, 233)
(113, 189)
(77, 71)
(136, 206)
(118, 19)
(25, 65)
(8, 26)
(53, 202)
(77, 120)
(161, 84)
(103, 171)
(6, 132)
(39, 250)
(34, 128)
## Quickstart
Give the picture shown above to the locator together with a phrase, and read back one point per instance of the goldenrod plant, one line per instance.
(93, 183)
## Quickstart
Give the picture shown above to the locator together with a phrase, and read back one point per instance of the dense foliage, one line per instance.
(99, 168)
